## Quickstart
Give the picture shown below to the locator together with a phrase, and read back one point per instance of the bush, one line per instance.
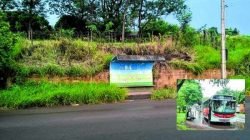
(7, 51)
(37, 94)
(162, 94)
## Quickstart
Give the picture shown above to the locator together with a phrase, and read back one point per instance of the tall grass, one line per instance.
(75, 57)
(37, 94)
(161, 94)
(238, 49)
(207, 57)
(63, 57)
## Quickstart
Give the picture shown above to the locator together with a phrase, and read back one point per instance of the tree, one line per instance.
(122, 13)
(86, 10)
(156, 27)
(7, 42)
(225, 91)
(236, 31)
(32, 8)
(71, 22)
(7, 5)
(189, 93)
(239, 95)
(151, 10)
(232, 32)
(19, 20)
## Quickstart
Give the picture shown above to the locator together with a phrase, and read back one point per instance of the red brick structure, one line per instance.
(163, 77)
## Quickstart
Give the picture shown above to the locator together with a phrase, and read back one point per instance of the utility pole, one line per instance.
(223, 42)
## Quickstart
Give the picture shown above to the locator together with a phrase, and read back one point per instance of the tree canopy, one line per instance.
(71, 22)
(189, 94)
(102, 12)
(6, 49)
(159, 26)
(7, 4)
(239, 95)
(19, 20)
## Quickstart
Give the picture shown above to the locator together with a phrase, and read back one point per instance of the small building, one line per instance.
(133, 70)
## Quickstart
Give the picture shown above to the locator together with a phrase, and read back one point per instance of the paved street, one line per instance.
(200, 123)
(141, 119)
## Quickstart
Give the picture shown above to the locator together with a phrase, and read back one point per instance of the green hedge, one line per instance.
(38, 94)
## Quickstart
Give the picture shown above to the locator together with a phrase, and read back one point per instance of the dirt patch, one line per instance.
(167, 52)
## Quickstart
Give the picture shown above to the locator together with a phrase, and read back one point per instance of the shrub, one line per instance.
(162, 94)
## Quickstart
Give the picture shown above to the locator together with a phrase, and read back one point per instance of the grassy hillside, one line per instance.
(79, 58)
(74, 57)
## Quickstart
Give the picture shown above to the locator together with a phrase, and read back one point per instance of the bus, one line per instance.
(219, 108)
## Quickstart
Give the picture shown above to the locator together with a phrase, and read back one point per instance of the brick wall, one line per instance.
(168, 77)
(163, 77)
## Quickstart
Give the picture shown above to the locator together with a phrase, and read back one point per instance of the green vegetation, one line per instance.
(61, 58)
(74, 57)
(37, 94)
(207, 57)
(161, 94)
(189, 94)
(239, 95)
(7, 50)
(181, 122)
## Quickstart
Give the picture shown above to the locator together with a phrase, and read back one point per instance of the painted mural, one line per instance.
(131, 74)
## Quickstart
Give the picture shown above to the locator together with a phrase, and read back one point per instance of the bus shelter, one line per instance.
(133, 70)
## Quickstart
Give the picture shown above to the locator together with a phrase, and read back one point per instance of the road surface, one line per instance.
(131, 120)
(200, 123)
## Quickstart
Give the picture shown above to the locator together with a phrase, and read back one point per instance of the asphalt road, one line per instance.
(200, 123)
(131, 120)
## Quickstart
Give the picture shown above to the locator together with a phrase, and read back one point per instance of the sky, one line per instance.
(207, 12)
(208, 89)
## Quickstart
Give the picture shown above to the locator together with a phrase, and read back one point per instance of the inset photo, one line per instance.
(211, 104)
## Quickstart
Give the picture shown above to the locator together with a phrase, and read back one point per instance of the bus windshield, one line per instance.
(224, 106)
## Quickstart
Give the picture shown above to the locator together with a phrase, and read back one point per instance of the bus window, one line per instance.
(223, 106)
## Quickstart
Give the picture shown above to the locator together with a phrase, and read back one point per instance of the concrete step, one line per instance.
(139, 95)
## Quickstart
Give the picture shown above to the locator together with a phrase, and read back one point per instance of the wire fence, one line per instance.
(86, 36)
(113, 37)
